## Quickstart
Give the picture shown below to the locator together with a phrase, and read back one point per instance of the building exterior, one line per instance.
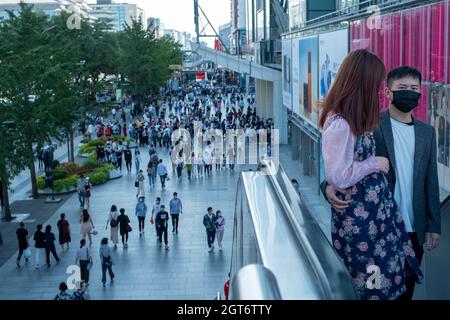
(225, 35)
(49, 7)
(183, 38)
(118, 15)
(154, 24)
(404, 32)
(238, 26)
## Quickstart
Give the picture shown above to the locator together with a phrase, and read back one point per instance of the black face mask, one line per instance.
(405, 100)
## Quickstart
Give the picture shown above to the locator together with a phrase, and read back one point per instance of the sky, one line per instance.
(179, 14)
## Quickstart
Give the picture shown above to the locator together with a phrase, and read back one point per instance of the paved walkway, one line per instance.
(144, 270)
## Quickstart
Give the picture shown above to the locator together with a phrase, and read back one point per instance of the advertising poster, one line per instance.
(287, 73)
(333, 48)
(439, 118)
(295, 76)
(308, 78)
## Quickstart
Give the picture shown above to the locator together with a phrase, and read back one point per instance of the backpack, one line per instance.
(113, 223)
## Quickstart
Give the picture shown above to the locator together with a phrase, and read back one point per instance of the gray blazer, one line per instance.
(426, 206)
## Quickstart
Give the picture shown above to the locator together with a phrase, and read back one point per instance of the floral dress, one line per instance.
(370, 236)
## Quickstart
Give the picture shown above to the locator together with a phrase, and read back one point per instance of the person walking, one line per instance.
(87, 226)
(156, 208)
(189, 167)
(119, 156)
(162, 221)
(140, 184)
(128, 158)
(81, 191)
(114, 225)
(84, 259)
(50, 245)
(209, 221)
(39, 244)
(141, 212)
(151, 172)
(106, 260)
(64, 232)
(162, 172)
(377, 230)
(87, 192)
(137, 160)
(220, 228)
(176, 208)
(124, 225)
(199, 164)
(22, 238)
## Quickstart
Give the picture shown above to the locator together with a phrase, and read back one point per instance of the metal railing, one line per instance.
(274, 229)
(354, 12)
(255, 282)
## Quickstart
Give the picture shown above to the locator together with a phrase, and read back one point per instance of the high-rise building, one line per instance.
(225, 34)
(154, 24)
(118, 15)
(238, 26)
(49, 7)
(183, 38)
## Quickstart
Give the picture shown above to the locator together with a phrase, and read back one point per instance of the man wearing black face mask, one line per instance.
(410, 146)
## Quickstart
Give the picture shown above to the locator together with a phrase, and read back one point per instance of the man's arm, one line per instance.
(432, 210)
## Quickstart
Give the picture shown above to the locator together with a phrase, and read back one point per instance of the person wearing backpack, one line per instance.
(63, 295)
(106, 260)
(113, 223)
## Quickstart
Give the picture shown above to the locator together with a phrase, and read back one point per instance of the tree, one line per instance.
(11, 160)
(29, 77)
(144, 59)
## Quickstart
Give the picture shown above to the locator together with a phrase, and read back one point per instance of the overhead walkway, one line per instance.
(268, 82)
(234, 63)
(280, 252)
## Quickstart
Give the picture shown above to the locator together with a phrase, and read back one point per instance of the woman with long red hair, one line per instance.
(369, 235)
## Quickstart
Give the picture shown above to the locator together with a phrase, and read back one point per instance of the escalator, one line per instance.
(279, 250)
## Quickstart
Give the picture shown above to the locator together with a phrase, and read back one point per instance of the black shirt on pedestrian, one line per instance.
(22, 235)
(39, 239)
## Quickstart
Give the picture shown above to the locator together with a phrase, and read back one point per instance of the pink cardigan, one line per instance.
(341, 170)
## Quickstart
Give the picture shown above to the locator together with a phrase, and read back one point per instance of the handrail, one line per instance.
(269, 211)
(255, 282)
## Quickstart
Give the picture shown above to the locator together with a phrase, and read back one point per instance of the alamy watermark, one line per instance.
(77, 10)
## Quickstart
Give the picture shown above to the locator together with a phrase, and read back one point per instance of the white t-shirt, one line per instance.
(404, 145)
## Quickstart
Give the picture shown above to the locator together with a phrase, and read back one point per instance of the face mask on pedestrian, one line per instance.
(405, 100)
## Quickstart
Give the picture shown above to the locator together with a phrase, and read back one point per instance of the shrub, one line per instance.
(79, 171)
(59, 174)
(109, 166)
(96, 142)
(92, 156)
(68, 167)
(91, 163)
(99, 177)
(58, 185)
(87, 149)
(41, 183)
(70, 182)
(55, 163)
